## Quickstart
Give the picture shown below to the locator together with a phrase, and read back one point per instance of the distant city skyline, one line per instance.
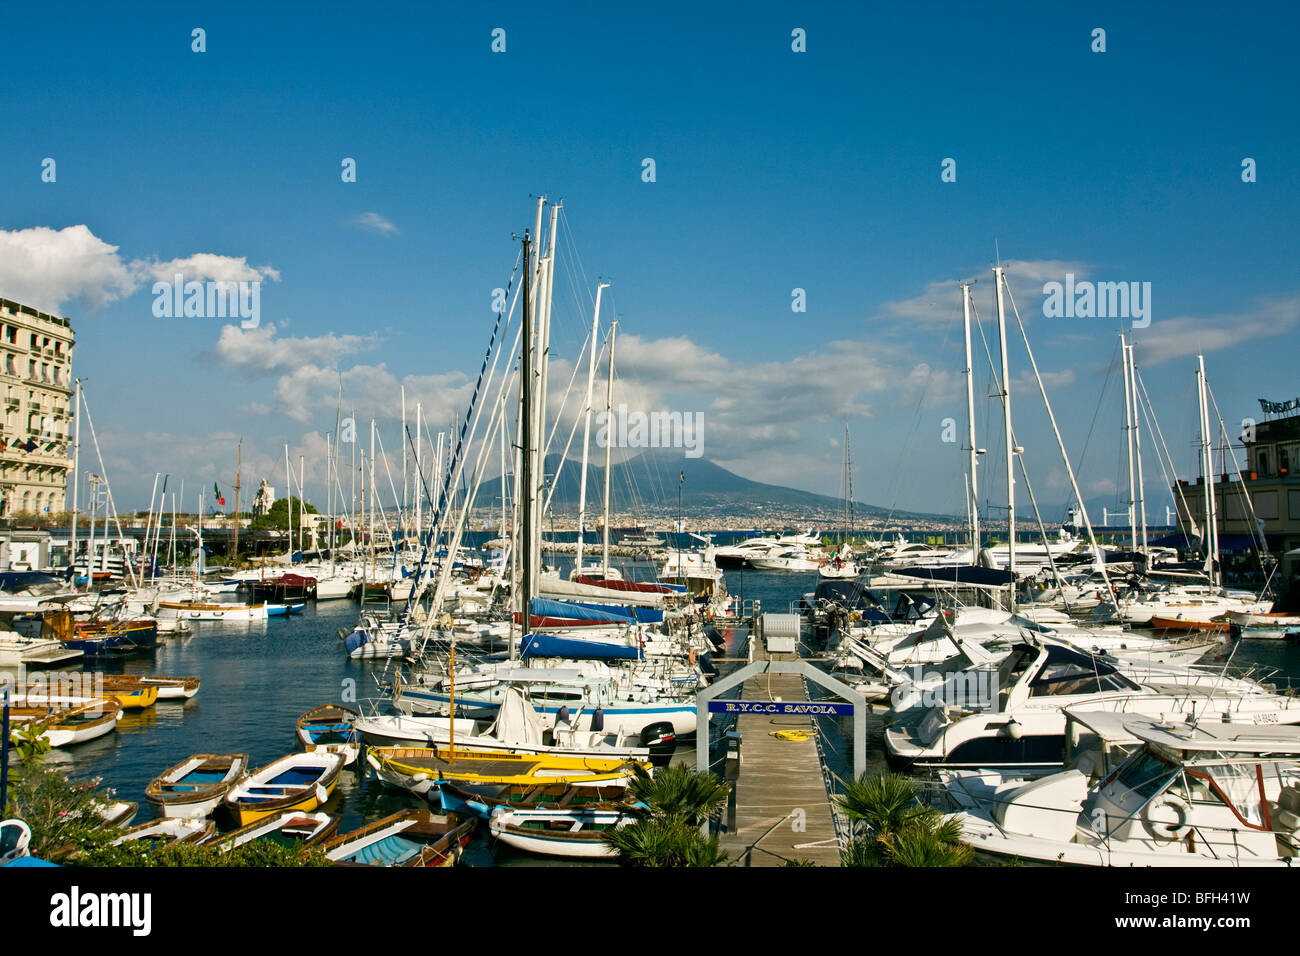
(822, 178)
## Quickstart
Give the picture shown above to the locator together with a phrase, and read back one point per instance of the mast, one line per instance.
(302, 508)
(374, 497)
(974, 508)
(586, 427)
(419, 470)
(1137, 446)
(546, 275)
(609, 436)
(1006, 422)
(525, 424)
(403, 526)
(239, 467)
(288, 500)
(76, 466)
(1128, 442)
(1207, 470)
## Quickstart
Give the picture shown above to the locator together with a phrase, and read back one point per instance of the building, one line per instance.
(1271, 480)
(36, 375)
(263, 500)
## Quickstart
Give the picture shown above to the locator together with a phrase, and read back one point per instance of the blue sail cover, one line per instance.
(642, 615)
(547, 607)
(548, 645)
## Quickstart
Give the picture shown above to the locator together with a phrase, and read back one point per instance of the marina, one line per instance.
(552, 447)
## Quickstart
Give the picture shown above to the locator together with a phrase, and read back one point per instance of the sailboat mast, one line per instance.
(239, 467)
(1137, 446)
(525, 423)
(1006, 422)
(1128, 442)
(288, 499)
(586, 426)
(609, 436)
(419, 471)
(974, 508)
(1207, 470)
(76, 467)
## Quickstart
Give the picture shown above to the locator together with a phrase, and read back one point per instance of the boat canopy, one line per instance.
(565, 610)
(970, 576)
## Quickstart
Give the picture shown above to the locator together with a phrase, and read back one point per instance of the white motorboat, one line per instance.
(569, 833)
(17, 650)
(786, 559)
(1206, 794)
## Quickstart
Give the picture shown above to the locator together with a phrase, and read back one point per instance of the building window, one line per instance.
(1283, 461)
(1263, 463)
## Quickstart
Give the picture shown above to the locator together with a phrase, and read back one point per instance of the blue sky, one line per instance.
(775, 170)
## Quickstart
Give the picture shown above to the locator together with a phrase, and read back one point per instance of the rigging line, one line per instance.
(916, 420)
(1241, 482)
(1096, 412)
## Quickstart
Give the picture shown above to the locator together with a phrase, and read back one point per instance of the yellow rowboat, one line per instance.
(130, 696)
(169, 688)
(296, 782)
(420, 769)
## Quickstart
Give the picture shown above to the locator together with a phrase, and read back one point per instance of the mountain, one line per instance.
(648, 484)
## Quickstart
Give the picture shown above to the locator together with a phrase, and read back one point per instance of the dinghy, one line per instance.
(196, 786)
(289, 828)
(421, 769)
(410, 838)
(165, 831)
(330, 728)
(486, 799)
(573, 834)
(65, 722)
(296, 782)
(169, 688)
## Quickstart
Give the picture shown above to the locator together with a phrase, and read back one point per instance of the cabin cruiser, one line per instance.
(1012, 717)
(1199, 793)
(797, 558)
(738, 556)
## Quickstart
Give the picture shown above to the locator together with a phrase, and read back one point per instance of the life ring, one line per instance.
(1160, 829)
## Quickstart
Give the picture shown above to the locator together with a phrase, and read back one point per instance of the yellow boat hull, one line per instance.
(135, 699)
(244, 815)
(502, 767)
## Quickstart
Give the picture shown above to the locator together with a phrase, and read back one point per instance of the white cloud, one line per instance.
(1183, 336)
(940, 304)
(374, 222)
(203, 266)
(259, 350)
(48, 268)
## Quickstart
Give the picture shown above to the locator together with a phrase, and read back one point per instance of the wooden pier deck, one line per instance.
(778, 779)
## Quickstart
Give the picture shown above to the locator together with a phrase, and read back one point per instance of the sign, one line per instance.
(784, 708)
(1279, 408)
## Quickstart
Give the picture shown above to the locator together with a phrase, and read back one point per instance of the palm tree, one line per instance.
(667, 812)
(893, 828)
(676, 793)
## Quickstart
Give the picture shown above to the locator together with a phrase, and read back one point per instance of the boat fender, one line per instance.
(562, 715)
(598, 720)
(322, 795)
(1160, 829)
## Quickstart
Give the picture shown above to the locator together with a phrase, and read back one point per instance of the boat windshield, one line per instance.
(1236, 784)
(1145, 773)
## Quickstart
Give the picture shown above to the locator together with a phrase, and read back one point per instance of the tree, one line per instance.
(278, 517)
(893, 828)
(667, 811)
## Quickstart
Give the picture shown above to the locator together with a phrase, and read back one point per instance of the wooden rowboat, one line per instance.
(169, 688)
(288, 828)
(485, 799)
(296, 782)
(329, 728)
(196, 786)
(165, 831)
(420, 769)
(67, 722)
(1178, 624)
(564, 833)
(410, 838)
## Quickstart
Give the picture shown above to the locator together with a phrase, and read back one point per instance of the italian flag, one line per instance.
(221, 500)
